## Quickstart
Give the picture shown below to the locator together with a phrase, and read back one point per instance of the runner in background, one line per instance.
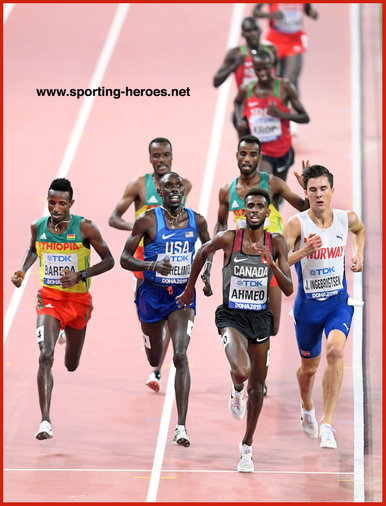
(262, 109)
(287, 34)
(238, 60)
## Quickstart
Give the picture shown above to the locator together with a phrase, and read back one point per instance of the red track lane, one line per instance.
(105, 422)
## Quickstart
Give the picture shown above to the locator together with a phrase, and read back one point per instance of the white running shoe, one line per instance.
(237, 404)
(45, 431)
(62, 337)
(327, 438)
(180, 436)
(154, 381)
(308, 422)
(245, 464)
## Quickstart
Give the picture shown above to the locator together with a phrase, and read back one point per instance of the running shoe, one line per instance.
(62, 337)
(180, 436)
(237, 404)
(154, 381)
(45, 431)
(308, 422)
(245, 464)
(327, 438)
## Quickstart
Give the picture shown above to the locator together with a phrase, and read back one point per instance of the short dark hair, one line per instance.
(250, 139)
(161, 180)
(258, 191)
(160, 140)
(313, 171)
(250, 19)
(261, 54)
(61, 184)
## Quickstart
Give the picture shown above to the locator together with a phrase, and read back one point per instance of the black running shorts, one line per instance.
(253, 325)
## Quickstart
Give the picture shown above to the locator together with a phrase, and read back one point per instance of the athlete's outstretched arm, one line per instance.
(292, 234)
(298, 114)
(129, 195)
(203, 234)
(90, 236)
(143, 226)
(222, 220)
(280, 269)
(258, 13)
(233, 59)
(282, 189)
(223, 240)
(358, 230)
(29, 258)
(275, 306)
(241, 123)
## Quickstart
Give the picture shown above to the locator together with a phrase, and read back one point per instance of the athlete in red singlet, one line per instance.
(262, 110)
(286, 32)
(238, 60)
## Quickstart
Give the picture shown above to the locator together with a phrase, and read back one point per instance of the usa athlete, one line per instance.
(318, 237)
(169, 234)
(142, 191)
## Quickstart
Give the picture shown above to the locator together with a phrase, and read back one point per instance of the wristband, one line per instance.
(83, 275)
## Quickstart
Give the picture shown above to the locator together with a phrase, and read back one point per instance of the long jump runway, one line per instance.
(112, 436)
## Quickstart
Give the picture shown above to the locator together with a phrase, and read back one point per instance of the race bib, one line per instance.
(248, 293)
(265, 128)
(181, 265)
(54, 264)
(290, 23)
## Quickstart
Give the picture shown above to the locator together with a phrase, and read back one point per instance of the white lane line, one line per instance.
(7, 9)
(356, 161)
(218, 123)
(162, 437)
(76, 134)
(210, 168)
(96, 80)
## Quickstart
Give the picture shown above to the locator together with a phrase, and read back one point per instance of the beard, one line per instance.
(255, 226)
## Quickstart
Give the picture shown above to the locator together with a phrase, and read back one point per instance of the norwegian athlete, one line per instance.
(254, 262)
(318, 240)
(62, 242)
(169, 234)
(142, 191)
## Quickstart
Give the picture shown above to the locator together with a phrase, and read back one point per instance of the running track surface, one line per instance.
(106, 423)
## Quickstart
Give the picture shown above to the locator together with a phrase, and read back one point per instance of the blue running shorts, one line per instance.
(155, 302)
(313, 316)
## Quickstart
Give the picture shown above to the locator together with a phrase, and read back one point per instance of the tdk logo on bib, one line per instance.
(325, 270)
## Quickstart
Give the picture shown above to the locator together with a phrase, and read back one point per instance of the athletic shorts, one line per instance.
(281, 165)
(71, 309)
(155, 303)
(139, 254)
(288, 44)
(256, 326)
(313, 316)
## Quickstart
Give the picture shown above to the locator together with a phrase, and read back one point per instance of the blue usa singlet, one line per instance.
(175, 243)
